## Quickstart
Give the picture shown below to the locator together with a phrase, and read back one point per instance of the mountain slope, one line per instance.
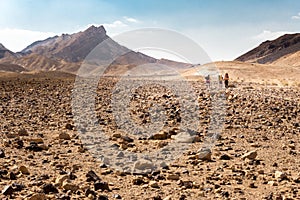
(4, 52)
(271, 51)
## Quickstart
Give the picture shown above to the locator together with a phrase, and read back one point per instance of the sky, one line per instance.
(225, 29)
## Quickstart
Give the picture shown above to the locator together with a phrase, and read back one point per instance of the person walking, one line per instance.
(207, 80)
(220, 81)
(226, 80)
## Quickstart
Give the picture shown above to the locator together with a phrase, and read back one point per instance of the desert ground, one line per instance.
(255, 156)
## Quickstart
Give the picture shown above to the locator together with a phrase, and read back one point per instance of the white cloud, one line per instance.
(116, 24)
(130, 19)
(296, 16)
(17, 39)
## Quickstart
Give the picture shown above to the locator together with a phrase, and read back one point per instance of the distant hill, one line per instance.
(283, 50)
(68, 51)
(8, 67)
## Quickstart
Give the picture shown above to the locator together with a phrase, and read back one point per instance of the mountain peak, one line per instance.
(2, 47)
(94, 29)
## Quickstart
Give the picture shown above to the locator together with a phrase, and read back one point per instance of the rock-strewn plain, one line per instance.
(42, 156)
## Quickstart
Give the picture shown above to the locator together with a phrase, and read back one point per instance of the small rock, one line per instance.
(92, 176)
(250, 155)
(12, 176)
(138, 181)
(153, 184)
(252, 185)
(34, 147)
(49, 188)
(117, 196)
(127, 139)
(59, 181)
(280, 175)
(225, 157)
(23, 169)
(173, 177)
(183, 137)
(36, 140)
(23, 132)
(204, 154)
(143, 166)
(2, 154)
(18, 187)
(8, 190)
(103, 197)
(273, 183)
(64, 136)
(70, 186)
(101, 185)
(159, 136)
(37, 196)
(69, 126)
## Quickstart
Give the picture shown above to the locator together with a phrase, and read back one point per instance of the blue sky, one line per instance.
(224, 28)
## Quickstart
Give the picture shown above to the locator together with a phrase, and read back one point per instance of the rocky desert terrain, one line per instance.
(43, 156)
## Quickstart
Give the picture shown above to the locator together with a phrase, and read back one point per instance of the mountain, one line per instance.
(71, 48)
(68, 51)
(283, 50)
(4, 52)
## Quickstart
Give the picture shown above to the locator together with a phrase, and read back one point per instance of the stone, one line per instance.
(70, 186)
(24, 170)
(34, 147)
(49, 188)
(250, 155)
(37, 196)
(143, 166)
(23, 132)
(117, 196)
(183, 137)
(69, 126)
(127, 139)
(138, 181)
(59, 181)
(153, 184)
(280, 175)
(18, 187)
(225, 157)
(173, 177)
(159, 136)
(8, 190)
(92, 176)
(2, 153)
(101, 185)
(64, 136)
(36, 140)
(204, 154)
(273, 183)
(103, 197)
(12, 176)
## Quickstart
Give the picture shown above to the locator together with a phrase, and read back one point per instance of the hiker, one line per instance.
(226, 80)
(207, 80)
(220, 80)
